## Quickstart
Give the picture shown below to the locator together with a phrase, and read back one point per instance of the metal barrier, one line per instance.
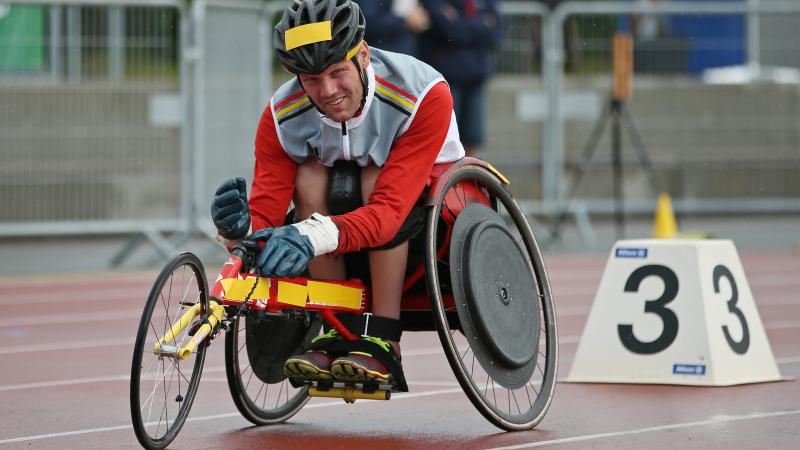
(123, 116)
(91, 108)
(232, 85)
(514, 117)
(721, 139)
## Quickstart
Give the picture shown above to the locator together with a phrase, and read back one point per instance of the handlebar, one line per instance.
(245, 248)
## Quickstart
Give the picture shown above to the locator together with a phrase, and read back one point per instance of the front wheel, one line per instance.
(503, 350)
(163, 387)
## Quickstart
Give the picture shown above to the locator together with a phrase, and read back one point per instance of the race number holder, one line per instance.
(674, 312)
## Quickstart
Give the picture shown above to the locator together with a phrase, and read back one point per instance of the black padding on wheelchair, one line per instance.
(496, 295)
(344, 187)
(271, 341)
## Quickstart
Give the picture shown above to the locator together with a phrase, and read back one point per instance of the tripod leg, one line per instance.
(586, 158)
(644, 159)
(616, 159)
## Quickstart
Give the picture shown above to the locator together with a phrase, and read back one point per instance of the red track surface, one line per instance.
(67, 342)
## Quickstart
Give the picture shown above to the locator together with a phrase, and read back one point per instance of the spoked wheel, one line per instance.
(504, 350)
(255, 350)
(163, 387)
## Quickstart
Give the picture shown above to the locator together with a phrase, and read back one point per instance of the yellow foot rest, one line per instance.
(350, 394)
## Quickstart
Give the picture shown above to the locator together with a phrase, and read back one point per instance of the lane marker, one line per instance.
(74, 345)
(786, 360)
(399, 396)
(79, 345)
(676, 426)
(74, 381)
(138, 295)
(55, 319)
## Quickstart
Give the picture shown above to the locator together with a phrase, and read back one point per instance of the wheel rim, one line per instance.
(259, 402)
(510, 409)
(163, 388)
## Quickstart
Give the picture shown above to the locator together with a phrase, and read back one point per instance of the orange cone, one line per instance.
(664, 224)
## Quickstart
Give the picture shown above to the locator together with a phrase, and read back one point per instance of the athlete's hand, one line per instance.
(287, 250)
(229, 209)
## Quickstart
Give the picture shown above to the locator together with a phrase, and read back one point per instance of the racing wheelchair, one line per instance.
(480, 283)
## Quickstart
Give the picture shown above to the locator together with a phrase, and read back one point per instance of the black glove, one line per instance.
(286, 252)
(229, 209)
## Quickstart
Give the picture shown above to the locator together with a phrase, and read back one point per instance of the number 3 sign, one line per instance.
(674, 312)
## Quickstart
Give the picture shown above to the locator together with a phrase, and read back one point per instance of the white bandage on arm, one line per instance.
(321, 231)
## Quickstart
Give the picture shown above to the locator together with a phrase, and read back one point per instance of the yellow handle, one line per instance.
(217, 314)
(184, 322)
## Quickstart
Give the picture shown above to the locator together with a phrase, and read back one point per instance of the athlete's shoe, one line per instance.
(363, 367)
(313, 365)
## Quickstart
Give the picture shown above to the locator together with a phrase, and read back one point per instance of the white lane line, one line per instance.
(788, 360)
(74, 381)
(783, 324)
(55, 319)
(784, 361)
(138, 294)
(564, 311)
(73, 345)
(675, 426)
(79, 345)
(403, 396)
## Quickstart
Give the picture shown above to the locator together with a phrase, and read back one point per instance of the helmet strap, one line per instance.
(363, 74)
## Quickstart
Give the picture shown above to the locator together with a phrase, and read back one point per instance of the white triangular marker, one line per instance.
(674, 312)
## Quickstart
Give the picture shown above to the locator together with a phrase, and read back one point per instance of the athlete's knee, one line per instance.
(310, 189)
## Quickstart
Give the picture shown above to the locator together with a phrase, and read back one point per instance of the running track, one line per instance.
(67, 342)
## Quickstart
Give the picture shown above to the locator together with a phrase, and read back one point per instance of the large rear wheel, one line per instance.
(510, 382)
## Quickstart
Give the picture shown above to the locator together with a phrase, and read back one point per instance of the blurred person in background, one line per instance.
(353, 140)
(393, 25)
(459, 42)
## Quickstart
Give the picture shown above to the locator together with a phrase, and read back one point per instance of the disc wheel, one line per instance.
(255, 351)
(163, 387)
(510, 406)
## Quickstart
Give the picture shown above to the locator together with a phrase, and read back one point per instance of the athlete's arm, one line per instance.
(273, 177)
(402, 179)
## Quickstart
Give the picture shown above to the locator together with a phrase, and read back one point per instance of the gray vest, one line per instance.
(396, 86)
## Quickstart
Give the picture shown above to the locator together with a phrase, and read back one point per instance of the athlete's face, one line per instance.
(337, 91)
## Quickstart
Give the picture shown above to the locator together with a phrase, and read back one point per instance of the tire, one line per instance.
(159, 381)
(511, 409)
(255, 351)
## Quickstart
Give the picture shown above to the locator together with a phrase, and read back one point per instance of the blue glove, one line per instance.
(229, 209)
(286, 252)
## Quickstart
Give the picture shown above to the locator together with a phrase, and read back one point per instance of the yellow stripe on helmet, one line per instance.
(353, 51)
(307, 34)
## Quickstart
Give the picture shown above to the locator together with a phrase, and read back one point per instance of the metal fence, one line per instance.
(233, 83)
(122, 116)
(90, 117)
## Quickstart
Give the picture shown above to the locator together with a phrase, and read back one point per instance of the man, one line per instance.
(390, 114)
(459, 44)
(394, 24)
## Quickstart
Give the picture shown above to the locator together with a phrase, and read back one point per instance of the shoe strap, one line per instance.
(370, 325)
